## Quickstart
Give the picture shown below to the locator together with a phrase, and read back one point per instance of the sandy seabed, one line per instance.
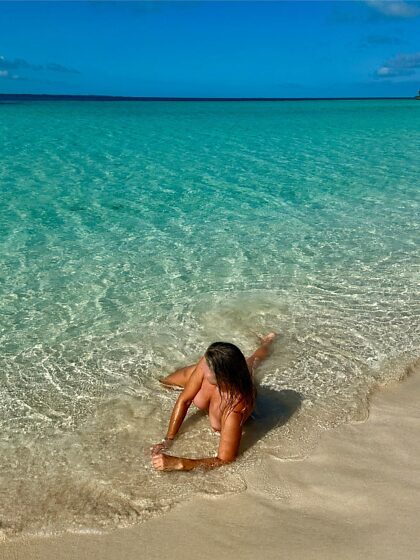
(356, 497)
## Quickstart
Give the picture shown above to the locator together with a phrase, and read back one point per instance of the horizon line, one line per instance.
(96, 97)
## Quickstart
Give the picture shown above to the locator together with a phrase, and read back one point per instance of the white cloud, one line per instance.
(20, 63)
(400, 65)
(384, 71)
(395, 8)
(5, 74)
(387, 72)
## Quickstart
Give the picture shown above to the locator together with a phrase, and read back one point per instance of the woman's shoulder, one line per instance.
(238, 407)
(194, 383)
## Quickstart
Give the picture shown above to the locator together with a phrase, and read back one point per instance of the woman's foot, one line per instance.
(179, 378)
(268, 338)
(262, 352)
(170, 385)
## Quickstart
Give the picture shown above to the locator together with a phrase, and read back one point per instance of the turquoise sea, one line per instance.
(134, 234)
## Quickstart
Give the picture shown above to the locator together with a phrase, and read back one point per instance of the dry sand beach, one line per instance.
(357, 496)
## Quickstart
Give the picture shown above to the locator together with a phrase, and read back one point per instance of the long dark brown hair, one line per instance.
(232, 373)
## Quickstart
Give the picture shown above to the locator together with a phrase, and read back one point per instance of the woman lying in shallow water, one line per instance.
(221, 383)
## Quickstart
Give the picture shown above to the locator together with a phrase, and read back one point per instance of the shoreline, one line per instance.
(356, 496)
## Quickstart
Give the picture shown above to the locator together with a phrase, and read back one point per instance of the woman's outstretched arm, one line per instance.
(230, 438)
(180, 409)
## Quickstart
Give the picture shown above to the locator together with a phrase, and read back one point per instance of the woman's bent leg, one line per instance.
(178, 378)
(262, 352)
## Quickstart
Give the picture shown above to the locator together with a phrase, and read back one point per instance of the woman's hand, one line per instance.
(159, 447)
(162, 462)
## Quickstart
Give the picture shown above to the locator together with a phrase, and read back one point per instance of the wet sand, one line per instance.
(356, 497)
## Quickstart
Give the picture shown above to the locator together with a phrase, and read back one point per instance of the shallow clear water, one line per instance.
(134, 234)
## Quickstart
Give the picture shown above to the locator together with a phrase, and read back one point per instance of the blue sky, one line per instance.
(211, 49)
